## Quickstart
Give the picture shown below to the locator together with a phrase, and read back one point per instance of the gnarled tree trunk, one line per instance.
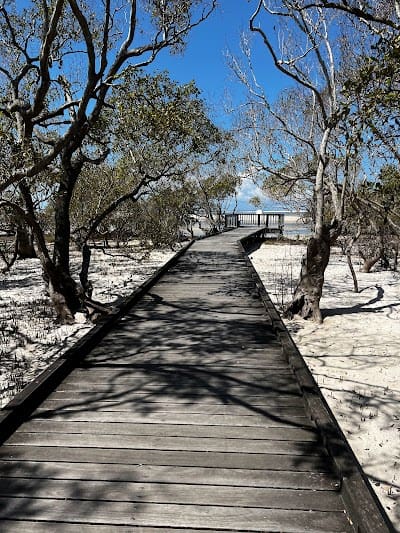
(84, 273)
(308, 292)
(72, 293)
(61, 254)
(63, 290)
(58, 290)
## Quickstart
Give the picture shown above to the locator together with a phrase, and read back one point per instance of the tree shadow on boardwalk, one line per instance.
(108, 442)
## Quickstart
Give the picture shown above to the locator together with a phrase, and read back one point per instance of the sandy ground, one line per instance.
(29, 337)
(354, 356)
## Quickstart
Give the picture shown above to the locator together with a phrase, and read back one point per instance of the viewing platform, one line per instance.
(273, 222)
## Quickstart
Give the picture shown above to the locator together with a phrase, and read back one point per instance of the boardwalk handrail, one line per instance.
(273, 221)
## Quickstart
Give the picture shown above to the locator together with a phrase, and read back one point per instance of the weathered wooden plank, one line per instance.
(182, 370)
(202, 352)
(233, 477)
(230, 369)
(124, 358)
(161, 515)
(170, 414)
(30, 526)
(152, 442)
(261, 461)
(252, 335)
(150, 402)
(197, 343)
(240, 300)
(179, 493)
(170, 430)
(201, 317)
(203, 380)
(197, 355)
(205, 386)
(250, 309)
(236, 395)
(206, 283)
(115, 395)
(187, 401)
(120, 357)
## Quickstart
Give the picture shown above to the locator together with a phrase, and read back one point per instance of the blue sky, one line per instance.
(204, 61)
(204, 58)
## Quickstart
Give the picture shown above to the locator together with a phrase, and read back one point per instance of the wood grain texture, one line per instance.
(179, 516)
(145, 473)
(185, 417)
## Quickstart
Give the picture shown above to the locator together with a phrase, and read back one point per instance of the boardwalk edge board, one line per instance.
(365, 510)
(13, 414)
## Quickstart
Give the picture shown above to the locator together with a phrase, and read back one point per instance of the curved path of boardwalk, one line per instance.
(186, 417)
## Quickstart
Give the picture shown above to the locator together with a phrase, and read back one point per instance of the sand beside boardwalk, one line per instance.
(30, 339)
(354, 356)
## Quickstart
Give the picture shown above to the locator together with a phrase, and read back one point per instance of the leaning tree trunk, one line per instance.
(71, 291)
(51, 275)
(62, 288)
(84, 273)
(308, 292)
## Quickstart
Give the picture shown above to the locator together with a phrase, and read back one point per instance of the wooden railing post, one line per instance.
(281, 222)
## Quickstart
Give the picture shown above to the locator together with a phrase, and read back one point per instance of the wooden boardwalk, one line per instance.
(186, 417)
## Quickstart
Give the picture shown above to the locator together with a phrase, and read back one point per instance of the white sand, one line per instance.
(29, 337)
(354, 356)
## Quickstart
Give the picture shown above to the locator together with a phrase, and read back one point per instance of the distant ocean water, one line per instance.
(295, 226)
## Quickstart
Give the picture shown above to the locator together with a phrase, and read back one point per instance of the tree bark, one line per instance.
(395, 254)
(57, 289)
(62, 225)
(25, 247)
(308, 292)
(9, 261)
(84, 273)
(352, 271)
(71, 291)
(348, 251)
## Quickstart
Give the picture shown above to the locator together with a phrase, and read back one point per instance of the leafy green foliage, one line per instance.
(162, 143)
(373, 93)
(160, 125)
